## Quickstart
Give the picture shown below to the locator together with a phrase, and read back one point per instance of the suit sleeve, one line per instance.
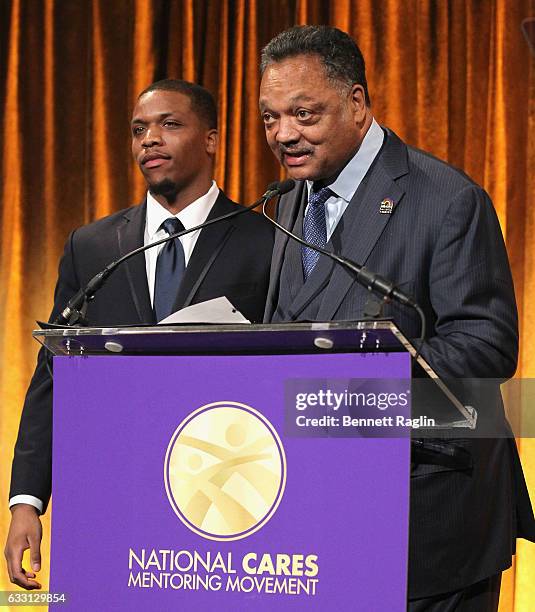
(32, 461)
(471, 293)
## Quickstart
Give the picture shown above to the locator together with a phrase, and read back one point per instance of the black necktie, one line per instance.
(170, 268)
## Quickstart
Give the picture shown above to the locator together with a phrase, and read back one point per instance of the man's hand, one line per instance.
(25, 532)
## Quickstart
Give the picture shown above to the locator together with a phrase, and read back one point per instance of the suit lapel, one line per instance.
(292, 271)
(130, 236)
(208, 246)
(362, 223)
(287, 212)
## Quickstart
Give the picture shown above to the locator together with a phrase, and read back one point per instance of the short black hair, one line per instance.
(339, 53)
(202, 101)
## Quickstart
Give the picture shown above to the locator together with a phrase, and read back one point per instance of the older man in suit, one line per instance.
(361, 192)
(174, 138)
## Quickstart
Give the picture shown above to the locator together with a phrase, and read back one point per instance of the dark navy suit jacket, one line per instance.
(230, 258)
(442, 244)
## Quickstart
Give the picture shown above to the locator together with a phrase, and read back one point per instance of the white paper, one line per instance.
(218, 310)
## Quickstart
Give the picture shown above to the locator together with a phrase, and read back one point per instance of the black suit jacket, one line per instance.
(442, 244)
(230, 258)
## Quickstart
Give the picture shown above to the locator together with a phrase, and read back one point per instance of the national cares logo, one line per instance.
(225, 471)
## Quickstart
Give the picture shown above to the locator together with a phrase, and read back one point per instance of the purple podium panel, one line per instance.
(181, 483)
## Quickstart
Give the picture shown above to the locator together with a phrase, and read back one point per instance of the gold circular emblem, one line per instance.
(225, 471)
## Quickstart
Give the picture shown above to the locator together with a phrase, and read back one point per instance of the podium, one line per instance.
(231, 467)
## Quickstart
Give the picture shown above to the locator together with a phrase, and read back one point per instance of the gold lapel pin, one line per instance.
(387, 206)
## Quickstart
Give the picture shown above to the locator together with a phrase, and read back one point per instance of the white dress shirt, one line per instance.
(194, 214)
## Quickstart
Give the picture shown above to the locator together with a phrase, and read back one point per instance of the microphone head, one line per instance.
(279, 188)
(286, 186)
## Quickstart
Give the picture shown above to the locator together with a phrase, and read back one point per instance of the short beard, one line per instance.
(166, 188)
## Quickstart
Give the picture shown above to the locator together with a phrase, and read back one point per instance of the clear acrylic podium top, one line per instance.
(368, 336)
(340, 336)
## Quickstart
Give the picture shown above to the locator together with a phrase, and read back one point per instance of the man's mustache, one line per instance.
(294, 150)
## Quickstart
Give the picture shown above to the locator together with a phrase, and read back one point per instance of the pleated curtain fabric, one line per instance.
(453, 77)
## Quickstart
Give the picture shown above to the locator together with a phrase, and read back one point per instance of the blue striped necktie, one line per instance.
(314, 228)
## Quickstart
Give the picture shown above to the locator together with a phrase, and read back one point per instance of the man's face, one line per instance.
(171, 144)
(312, 126)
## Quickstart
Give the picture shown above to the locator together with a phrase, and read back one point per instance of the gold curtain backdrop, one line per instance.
(452, 77)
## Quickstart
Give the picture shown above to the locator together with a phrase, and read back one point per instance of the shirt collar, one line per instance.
(194, 214)
(348, 180)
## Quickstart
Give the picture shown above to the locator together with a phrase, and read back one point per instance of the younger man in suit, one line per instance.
(174, 139)
(364, 194)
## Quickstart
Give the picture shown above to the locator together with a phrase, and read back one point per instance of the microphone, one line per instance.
(72, 314)
(282, 187)
(368, 279)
